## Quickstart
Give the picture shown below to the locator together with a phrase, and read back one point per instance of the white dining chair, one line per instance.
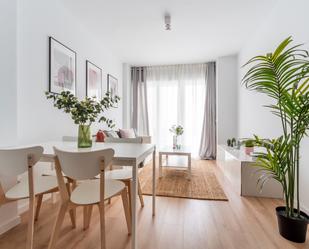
(14, 162)
(83, 167)
(125, 175)
(121, 174)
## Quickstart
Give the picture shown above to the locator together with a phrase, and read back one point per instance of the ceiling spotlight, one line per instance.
(167, 20)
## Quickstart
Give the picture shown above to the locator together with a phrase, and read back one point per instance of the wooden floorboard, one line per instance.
(240, 223)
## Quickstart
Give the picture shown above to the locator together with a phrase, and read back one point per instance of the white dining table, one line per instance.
(126, 154)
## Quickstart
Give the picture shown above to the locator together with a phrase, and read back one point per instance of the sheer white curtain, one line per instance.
(176, 95)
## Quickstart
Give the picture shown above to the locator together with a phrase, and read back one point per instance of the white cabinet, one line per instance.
(240, 170)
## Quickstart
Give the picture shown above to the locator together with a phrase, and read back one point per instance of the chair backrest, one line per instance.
(83, 165)
(16, 161)
(69, 139)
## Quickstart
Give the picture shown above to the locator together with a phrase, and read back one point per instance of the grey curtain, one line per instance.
(139, 111)
(208, 147)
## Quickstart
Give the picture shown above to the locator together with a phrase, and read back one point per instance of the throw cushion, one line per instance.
(100, 136)
(111, 134)
(127, 133)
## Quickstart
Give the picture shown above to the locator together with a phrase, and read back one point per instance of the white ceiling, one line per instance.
(202, 30)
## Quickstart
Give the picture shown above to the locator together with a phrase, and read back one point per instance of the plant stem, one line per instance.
(297, 181)
(292, 166)
(285, 190)
(84, 129)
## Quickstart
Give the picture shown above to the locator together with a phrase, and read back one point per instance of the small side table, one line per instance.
(183, 151)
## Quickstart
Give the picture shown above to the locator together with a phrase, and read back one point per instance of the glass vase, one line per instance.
(84, 136)
(176, 144)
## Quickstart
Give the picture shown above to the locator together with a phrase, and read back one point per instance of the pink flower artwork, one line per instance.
(93, 78)
(94, 81)
(65, 77)
(62, 67)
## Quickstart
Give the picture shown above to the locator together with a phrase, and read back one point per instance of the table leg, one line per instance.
(160, 164)
(133, 205)
(154, 182)
(189, 165)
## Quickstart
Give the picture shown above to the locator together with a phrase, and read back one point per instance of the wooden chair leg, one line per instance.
(38, 207)
(59, 220)
(128, 184)
(126, 207)
(54, 198)
(109, 201)
(74, 185)
(102, 225)
(30, 231)
(140, 194)
(72, 211)
(87, 216)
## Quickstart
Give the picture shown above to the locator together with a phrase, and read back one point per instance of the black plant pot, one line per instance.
(293, 229)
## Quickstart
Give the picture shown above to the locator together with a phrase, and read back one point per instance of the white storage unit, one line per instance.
(240, 170)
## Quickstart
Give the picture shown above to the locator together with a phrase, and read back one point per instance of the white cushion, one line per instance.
(127, 133)
(111, 133)
(88, 192)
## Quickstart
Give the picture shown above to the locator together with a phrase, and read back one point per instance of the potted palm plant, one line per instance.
(84, 112)
(284, 77)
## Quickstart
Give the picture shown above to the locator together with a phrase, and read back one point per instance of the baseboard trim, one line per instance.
(22, 207)
(302, 207)
(9, 224)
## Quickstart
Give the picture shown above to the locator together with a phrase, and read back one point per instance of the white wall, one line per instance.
(26, 115)
(126, 95)
(38, 120)
(287, 18)
(8, 99)
(8, 72)
(227, 80)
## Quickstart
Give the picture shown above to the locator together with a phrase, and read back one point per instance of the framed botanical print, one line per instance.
(62, 67)
(112, 85)
(93, 81)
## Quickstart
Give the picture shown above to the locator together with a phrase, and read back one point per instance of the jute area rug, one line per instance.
(174, 183)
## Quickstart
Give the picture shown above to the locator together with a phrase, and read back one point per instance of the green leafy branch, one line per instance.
(87, 111)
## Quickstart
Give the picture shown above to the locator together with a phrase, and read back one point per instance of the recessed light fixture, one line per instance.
(167, 20)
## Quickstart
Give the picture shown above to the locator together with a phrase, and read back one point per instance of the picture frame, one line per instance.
(112, 85)
(62, 67)
(93, 81)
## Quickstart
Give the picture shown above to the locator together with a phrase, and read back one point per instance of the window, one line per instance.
(176, 95)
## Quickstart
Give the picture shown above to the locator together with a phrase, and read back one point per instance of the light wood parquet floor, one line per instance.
(240, 223)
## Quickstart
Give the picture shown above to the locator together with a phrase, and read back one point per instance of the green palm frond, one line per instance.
(276, 73)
